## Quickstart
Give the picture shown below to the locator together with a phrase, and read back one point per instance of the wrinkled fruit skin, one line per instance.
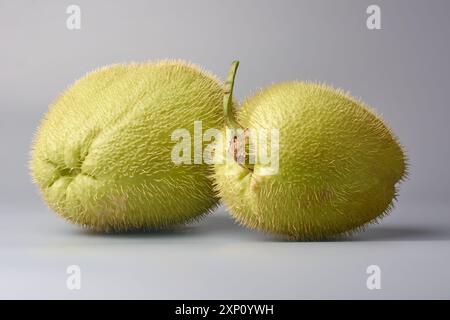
(338, 168)
(102, 154)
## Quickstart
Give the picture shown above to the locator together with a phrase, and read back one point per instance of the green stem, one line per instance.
(230, 120)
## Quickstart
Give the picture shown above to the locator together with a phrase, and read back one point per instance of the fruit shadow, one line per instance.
(379, 234)
(402, 233)
(214, 224)
(173, 231)
(219, 225)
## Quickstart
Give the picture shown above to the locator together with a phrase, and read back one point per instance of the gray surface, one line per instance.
(402, 70)
(218, 259)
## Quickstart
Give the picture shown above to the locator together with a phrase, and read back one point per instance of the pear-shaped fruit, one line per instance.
(338, 163)
(102, 154)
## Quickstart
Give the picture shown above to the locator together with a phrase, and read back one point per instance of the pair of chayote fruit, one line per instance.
(151, 145)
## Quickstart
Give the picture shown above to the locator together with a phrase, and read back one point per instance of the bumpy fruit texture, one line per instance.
(338, 164)
(102, 155)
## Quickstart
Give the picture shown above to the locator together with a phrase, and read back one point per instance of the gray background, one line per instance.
(403, 71)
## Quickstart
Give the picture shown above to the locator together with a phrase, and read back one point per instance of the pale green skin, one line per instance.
(339, 164)
(102, 155)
